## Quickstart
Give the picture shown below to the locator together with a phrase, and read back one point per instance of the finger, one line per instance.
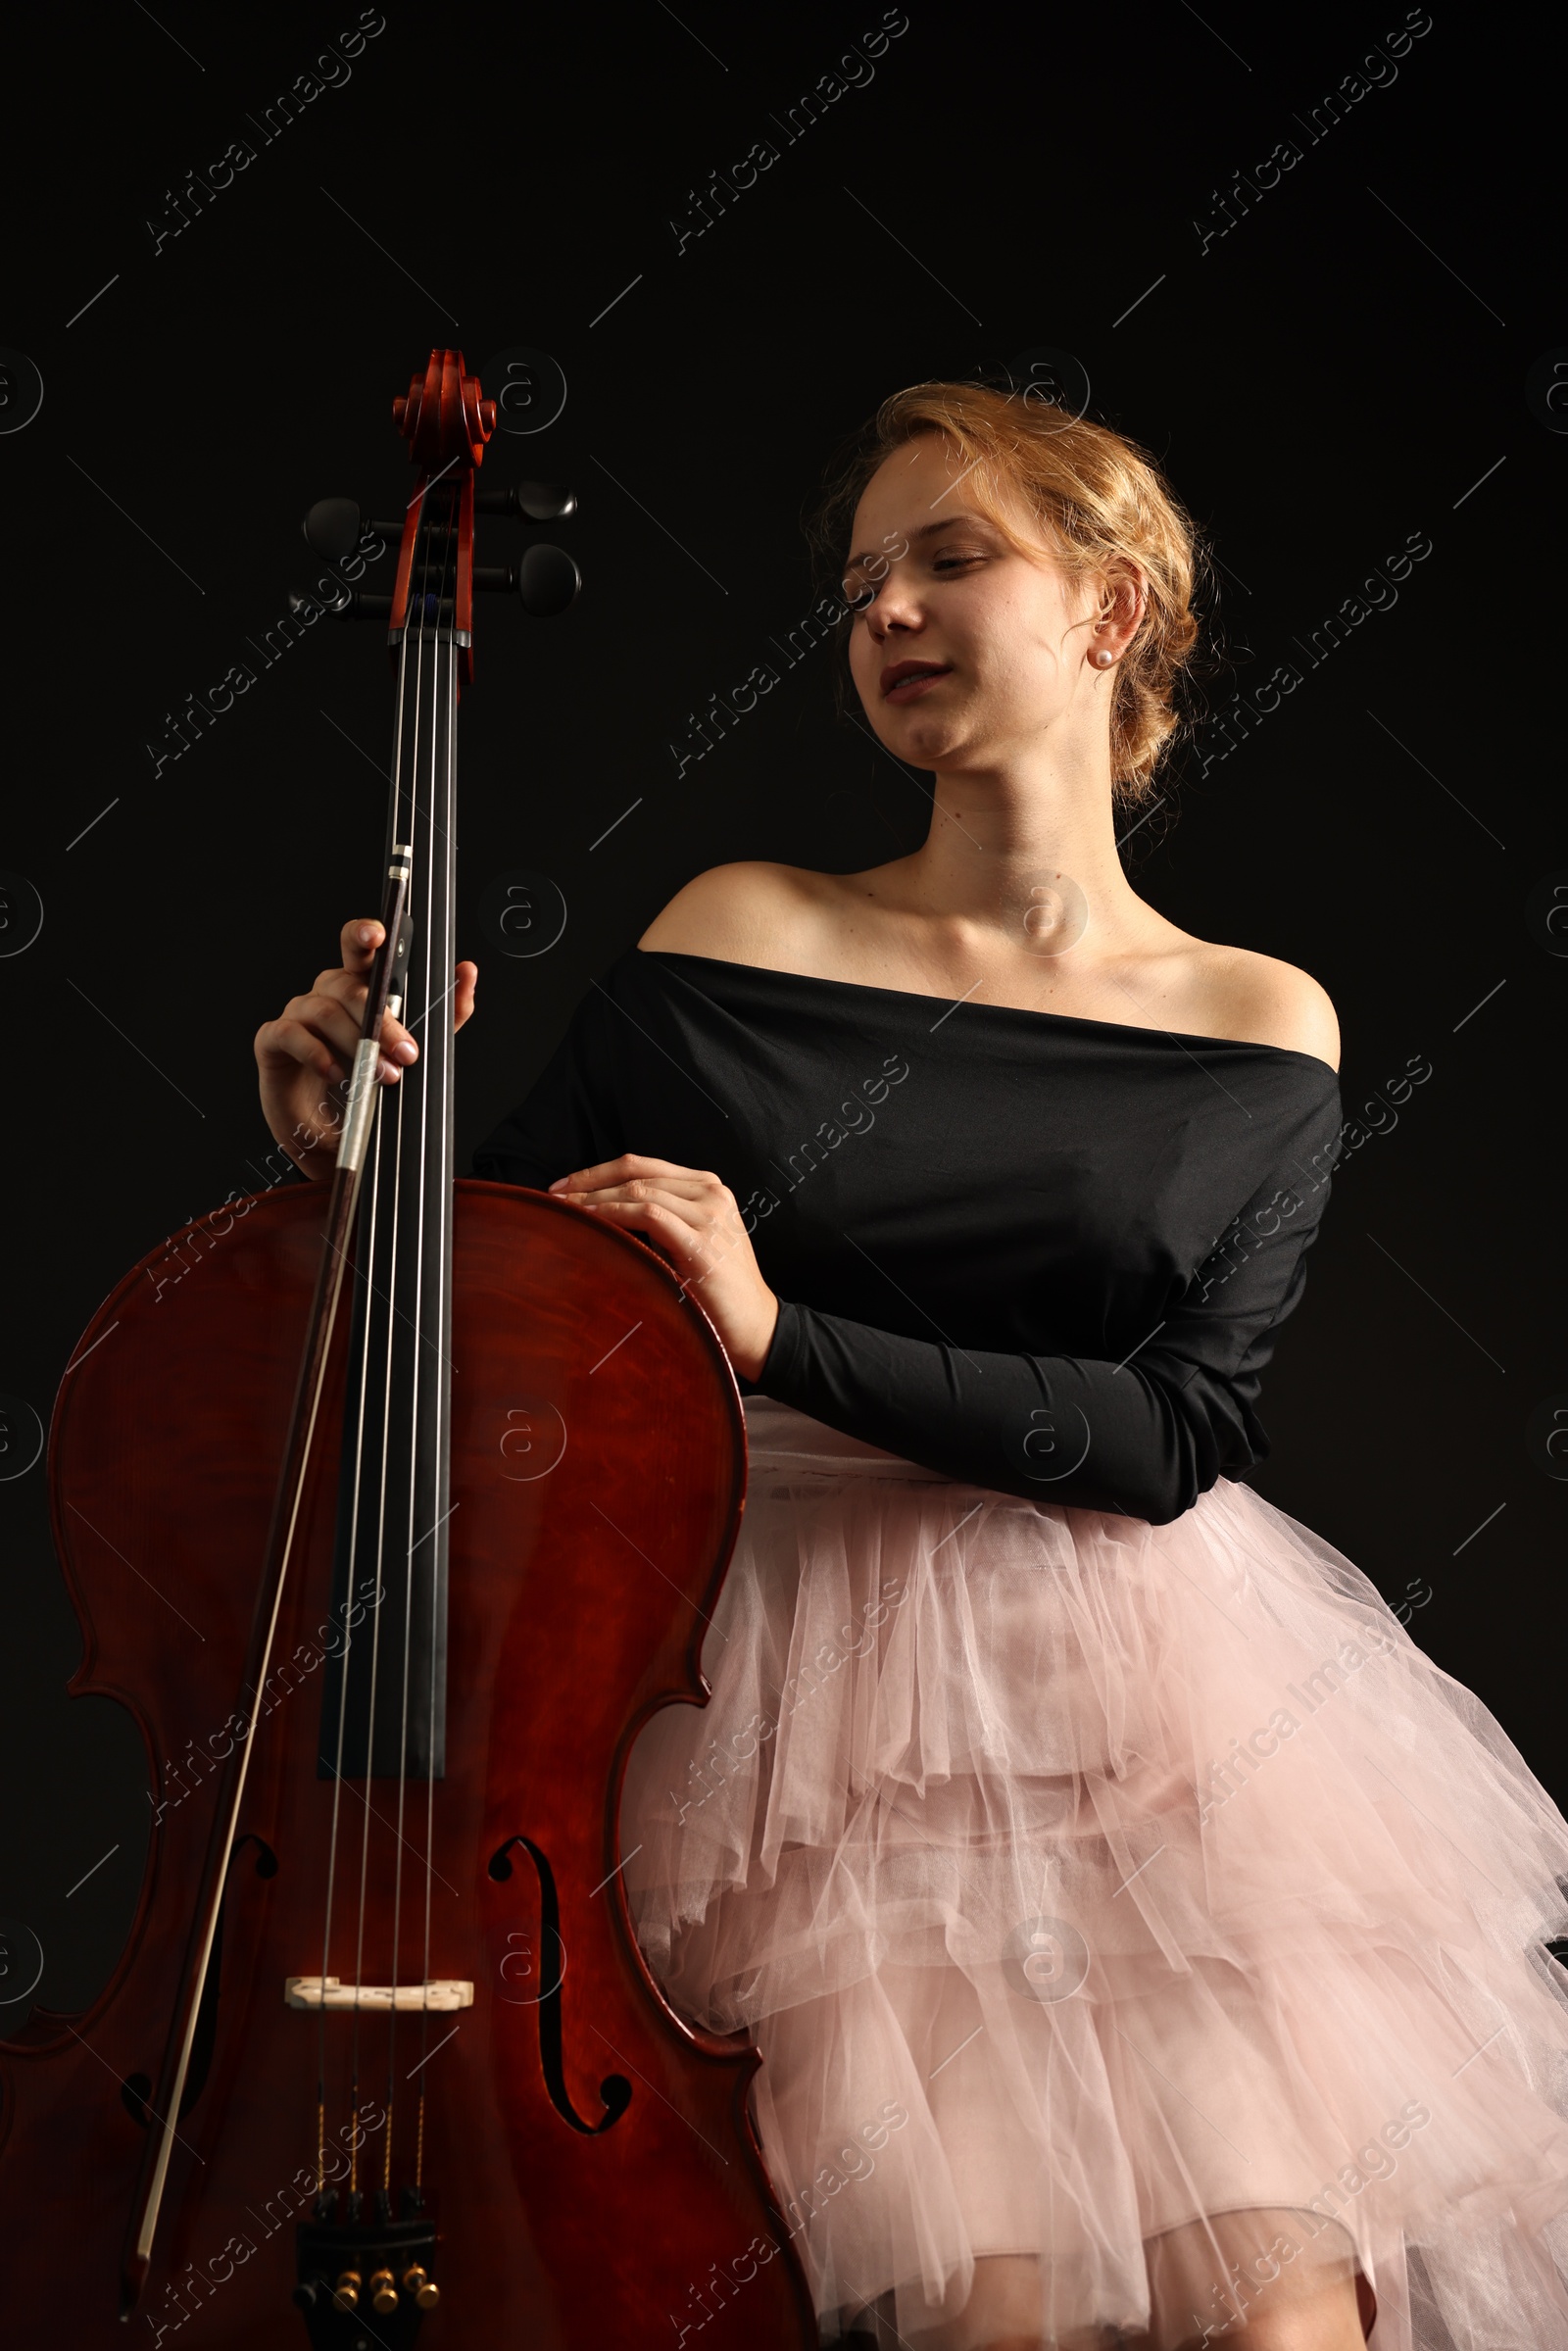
(701, 1244)
(360, 940)
(285, 1040)
(697, 1253)
(642, 1194)
(619, 1171)
(334, 1020)
(669, 1188)
(397, 1042)
(319, 1031)
(351, 991)
(467, 976)
(661, 1223)
(711, 1238)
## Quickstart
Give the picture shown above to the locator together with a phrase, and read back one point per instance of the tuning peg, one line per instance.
(547, 580)
(332, 529)
(534, 501)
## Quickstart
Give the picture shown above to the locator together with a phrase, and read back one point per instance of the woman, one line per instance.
(1144, 1940)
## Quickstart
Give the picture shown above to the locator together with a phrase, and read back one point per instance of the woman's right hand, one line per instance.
(306, 1055)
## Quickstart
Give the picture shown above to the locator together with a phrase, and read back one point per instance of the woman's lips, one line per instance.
(910, 688)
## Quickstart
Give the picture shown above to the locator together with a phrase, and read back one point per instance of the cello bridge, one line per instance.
(329, 1992)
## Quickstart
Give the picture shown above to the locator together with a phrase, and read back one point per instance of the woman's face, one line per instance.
(1007, 636)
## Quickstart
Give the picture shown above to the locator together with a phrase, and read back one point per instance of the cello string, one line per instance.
(404, 828)
(432, 1100)
(368, 1229)
(442, 1078)
(443, 1315)
(386, 1142)
(409, 1227)
(391, 1148)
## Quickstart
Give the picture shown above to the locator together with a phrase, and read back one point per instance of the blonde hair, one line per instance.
(1098, 501)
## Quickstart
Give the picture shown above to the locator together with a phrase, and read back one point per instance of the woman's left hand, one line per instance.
(692, 1218)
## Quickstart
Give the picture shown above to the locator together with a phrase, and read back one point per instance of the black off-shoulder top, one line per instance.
(1032, 1252)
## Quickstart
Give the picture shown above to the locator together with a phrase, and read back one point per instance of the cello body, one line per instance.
(597, 1465)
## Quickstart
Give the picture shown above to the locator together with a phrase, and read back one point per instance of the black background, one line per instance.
(1347, 366)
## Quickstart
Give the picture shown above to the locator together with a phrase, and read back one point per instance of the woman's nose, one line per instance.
(896, 607)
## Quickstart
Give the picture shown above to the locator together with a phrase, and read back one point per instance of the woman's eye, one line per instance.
(861, 598)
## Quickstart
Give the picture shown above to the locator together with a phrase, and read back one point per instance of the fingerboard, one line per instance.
(389, 1620)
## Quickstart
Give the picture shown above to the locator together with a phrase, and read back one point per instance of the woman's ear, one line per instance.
(1123, 601)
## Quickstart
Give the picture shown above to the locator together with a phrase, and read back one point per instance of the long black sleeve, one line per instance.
(1144, 1437)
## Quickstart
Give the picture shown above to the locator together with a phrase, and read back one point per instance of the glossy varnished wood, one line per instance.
(577, 1601)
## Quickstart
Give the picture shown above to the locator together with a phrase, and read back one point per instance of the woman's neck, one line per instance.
(996, 839)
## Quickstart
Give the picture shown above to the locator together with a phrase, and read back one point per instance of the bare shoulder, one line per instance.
(750, 913)
(1268, 1002)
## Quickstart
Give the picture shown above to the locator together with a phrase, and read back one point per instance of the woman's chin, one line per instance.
(923, 739)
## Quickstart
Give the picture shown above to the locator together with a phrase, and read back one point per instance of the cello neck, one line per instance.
(384, 1707)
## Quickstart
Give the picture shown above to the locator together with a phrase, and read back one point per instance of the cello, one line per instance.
(380, 2060)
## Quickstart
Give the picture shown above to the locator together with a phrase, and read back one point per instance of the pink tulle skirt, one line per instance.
(1137, 1928)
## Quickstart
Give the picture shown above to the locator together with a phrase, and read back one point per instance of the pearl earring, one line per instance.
(1104, 657)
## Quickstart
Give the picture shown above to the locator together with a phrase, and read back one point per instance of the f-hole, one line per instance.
(614, 2090)
(137, 2088)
